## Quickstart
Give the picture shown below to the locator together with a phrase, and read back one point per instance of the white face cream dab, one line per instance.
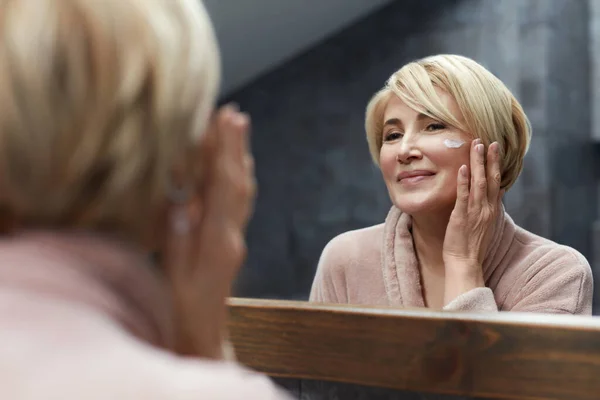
(453, 143)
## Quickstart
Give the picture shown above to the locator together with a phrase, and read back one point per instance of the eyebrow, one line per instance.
(397, 122)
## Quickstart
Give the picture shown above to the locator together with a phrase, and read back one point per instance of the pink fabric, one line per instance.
(522, 271)
(84, 318)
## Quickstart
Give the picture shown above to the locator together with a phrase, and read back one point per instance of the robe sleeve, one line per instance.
(478, 299)
(560, 282)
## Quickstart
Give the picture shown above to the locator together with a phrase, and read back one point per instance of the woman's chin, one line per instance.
(415, 205)
(413, 209)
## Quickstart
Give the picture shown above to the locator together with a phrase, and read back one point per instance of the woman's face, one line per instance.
(420, 157)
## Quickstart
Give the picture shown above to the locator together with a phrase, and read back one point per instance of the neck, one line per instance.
(428, 233)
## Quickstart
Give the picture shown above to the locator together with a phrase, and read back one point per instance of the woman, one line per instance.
(449, 139)
(105, 156)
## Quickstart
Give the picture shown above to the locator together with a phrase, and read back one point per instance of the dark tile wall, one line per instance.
(571, 163)
(315, 176)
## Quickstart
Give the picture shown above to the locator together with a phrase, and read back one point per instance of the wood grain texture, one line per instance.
(504, 355)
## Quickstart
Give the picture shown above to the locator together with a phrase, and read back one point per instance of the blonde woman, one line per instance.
(449, 139)
(106, 154)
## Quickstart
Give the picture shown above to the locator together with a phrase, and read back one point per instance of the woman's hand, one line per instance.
(468, 232)
(205, 246)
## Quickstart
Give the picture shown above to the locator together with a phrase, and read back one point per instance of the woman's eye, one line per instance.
(435, 127)
(393, 136)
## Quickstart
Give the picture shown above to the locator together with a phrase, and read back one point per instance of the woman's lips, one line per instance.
(412, 177)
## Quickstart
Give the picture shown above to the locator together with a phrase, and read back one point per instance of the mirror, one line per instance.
(306, 87)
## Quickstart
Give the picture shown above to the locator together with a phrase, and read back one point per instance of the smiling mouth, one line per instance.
(414, 177)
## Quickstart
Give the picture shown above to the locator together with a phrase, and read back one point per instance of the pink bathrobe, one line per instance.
(81, 318)
(522, 271)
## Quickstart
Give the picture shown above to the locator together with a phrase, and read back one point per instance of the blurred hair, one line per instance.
(98, 100)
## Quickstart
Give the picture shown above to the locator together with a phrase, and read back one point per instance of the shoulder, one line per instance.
(543, 254)
(364, 237)
(161, 375)
(552, 278)
(351, 245)
(215, 380)
(165, 375)
(94, 357)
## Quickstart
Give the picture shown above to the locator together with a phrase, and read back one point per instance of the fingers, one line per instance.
(205, 230)
(240, 166)
(494, 177)
(232, 188)
(238, 141)
(221, 151)
(234, 135)
(478, 175)
(462, 191)
(246, 180)
(241, 137)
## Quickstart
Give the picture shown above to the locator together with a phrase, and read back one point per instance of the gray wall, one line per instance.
(315, 176)
(594, 52)
(258, 35)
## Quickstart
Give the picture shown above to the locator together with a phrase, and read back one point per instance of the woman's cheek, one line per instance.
(387, 163)
(447, 151)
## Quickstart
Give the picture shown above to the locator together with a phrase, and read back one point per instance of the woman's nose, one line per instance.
(407, 150)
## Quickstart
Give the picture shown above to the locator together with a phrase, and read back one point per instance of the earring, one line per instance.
(179, 217)
(179, 195)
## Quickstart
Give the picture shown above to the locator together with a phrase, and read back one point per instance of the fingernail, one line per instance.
(479, 148)
(476, 142)
(180, 222)
(234, 106)
(496, 148)
(463, 170)
(241, 119)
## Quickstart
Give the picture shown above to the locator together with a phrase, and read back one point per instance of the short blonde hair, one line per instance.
(489, 110)
(98, 100)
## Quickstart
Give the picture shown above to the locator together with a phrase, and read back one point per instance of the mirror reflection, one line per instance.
(342, 120)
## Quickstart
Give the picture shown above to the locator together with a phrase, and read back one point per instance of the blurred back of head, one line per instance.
(98, 100)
